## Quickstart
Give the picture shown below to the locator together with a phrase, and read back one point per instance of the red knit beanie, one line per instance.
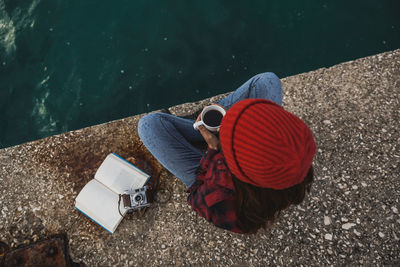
(265, 145)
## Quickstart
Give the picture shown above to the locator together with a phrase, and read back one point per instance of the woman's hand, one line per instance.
(211, 139)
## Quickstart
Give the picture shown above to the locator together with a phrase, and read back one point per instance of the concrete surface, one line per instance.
(350, 218)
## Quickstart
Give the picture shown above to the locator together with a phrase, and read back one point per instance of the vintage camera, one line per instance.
(135, 199)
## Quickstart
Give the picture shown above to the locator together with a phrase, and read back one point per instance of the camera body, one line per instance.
(135, 199)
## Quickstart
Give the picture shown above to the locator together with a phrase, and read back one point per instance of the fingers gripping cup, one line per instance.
(211, 118)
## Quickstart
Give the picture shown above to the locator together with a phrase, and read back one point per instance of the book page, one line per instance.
(119, 175)
(100, 204)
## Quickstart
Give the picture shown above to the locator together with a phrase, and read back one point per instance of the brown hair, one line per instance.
(258, 207)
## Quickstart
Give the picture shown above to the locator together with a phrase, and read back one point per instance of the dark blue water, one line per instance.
(69, 64)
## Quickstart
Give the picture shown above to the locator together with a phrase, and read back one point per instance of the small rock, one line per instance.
(382, 235)
(357, 233)
(327, 220)
(347, 226)
(328, 236)
(327, 122)
(395, 210)
(395, 236)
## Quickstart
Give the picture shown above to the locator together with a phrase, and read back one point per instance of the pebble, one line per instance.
(327, 122)
(395, 210)
(327, 220)
(347, 226)
(395, 237)
(382, 235)
(328, 236)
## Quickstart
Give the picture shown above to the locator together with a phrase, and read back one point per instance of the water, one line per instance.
(65, 65)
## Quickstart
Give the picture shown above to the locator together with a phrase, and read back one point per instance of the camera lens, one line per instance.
(138, 198)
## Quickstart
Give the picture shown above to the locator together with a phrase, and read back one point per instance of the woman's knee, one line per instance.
(268, 85)
(148, 124)
(267, 78)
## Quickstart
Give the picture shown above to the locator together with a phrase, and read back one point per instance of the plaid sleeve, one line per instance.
(206, 159)
(216, 206)
(212, 200)
(212, 195)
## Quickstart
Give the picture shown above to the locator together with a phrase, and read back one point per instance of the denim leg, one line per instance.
(168, 138)
(265, 85)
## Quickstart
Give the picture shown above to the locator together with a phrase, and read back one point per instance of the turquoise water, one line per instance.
(69, 64)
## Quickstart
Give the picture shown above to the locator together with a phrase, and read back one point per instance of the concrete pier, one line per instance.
(351, 216)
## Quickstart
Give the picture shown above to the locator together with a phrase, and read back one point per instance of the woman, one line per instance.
(260, 164)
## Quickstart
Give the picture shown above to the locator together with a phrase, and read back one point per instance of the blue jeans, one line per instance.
(170, 139)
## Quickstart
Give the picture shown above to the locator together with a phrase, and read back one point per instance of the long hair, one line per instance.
(258, 207)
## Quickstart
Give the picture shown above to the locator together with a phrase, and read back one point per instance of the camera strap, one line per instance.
(119, 203)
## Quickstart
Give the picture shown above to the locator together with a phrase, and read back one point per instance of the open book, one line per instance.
(99, 198)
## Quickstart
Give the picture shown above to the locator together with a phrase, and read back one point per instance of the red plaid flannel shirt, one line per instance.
(212, 195)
